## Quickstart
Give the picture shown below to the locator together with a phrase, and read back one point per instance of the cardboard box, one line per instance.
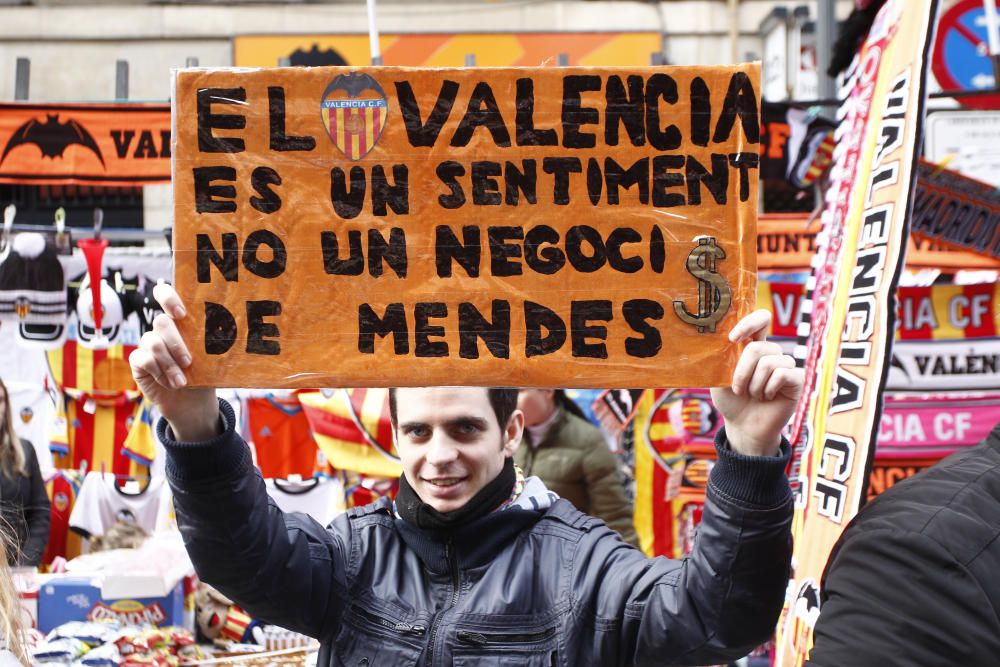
(80, 599)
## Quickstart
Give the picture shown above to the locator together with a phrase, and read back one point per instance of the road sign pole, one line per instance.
(22, 76)
(993, 35)
(373, 45)
(826, 32)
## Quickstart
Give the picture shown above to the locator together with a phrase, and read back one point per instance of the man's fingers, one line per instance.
(787, 381)
(766, 367)
(752, 327)
(144, 366)
(169, 301)
(170, 373)
(166, 329)
(747, 364)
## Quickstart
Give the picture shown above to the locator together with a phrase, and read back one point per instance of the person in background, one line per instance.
(572, 458)
(12, 653)
(24, 505)
(915, 578)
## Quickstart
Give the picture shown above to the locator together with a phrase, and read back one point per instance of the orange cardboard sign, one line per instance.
(565, 227)
(85, 144)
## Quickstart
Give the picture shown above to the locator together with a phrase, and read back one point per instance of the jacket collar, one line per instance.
(473, 545)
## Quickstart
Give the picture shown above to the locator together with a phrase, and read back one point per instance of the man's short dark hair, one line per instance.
(503, 400)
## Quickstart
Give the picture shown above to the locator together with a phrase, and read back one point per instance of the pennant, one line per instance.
(140, 444)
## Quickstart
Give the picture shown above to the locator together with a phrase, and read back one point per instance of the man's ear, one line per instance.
(513, 434)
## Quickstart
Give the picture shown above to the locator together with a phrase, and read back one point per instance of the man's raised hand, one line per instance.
(765, 388)
(158, 368)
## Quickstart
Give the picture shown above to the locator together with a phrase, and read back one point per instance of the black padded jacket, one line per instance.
(516, 587)
(915, 579)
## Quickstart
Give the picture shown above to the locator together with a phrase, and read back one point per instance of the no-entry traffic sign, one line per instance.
(961, 58)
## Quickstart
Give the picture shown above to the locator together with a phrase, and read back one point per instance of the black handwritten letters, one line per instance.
(570, 146)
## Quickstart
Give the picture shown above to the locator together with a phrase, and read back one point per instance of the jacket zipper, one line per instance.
(404, 628)
(482, 638)
(453, 566)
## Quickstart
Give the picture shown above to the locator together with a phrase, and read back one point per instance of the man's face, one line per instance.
(450, 442)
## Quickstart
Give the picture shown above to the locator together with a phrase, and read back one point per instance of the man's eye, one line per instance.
(468, 428)
(419, 432)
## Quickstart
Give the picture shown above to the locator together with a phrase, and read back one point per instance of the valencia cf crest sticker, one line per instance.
(354, 110)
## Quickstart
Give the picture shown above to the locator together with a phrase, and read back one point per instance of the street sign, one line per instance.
(805, 76)
(970, 140)
(774, 32)
(961, 58)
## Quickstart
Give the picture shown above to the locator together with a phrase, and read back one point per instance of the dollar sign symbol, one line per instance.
(714, 295)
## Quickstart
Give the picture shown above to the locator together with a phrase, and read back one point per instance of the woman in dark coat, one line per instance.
(24, 505)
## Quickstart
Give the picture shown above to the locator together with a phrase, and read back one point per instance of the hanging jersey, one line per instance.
(96, 429)
(101, 503)
(322, 498)
(280, 434)
(95, 372)
(62, 489)
(19, 363)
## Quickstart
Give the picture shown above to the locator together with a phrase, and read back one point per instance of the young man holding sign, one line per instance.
(473, 565)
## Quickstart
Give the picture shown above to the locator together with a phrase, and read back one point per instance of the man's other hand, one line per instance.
(158, 368)
(766, 386)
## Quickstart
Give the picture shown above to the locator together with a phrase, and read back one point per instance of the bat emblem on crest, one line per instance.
(52, 137)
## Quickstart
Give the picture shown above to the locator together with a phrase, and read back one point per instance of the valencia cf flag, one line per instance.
(674, 455)
(352, 428)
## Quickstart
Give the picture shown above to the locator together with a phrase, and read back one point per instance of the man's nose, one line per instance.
(441, 451)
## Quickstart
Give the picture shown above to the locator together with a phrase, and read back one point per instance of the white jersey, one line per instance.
(34, 411)
(322, 498)
(100, 503)
(18, 363)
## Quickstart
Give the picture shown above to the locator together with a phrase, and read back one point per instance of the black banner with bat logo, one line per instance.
(85, 144)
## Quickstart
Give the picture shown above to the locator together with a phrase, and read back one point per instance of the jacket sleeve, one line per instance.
(37, 511)
(281, 568)
(892, 599)
(713, 606)
(606, 492)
